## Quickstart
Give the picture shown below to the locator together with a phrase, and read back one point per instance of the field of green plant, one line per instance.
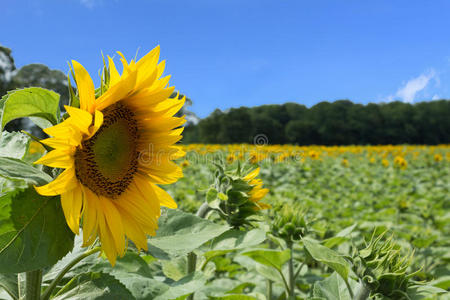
(343, 197)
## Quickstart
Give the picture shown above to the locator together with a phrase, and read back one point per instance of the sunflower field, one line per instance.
(109, 205)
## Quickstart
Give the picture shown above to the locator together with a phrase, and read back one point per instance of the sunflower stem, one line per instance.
(363, 291)
(192, 257)
(66, 269)
(269, 289)
(33, 285)
(291, 272)
(203, 210)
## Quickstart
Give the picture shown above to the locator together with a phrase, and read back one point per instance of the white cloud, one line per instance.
(88, 3)
(409, 90)
(436, 97)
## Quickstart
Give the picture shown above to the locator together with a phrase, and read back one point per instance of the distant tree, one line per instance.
(339, 123)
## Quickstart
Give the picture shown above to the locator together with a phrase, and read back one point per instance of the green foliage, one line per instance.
(180, 233)
(269, 257)
(20, 173)
(332, 288)
(13, 144)
(338, 123)
(327, 256)
(33, 231)
(39, 103)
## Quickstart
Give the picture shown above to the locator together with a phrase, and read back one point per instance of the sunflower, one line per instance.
(257, 192)
(114, 150)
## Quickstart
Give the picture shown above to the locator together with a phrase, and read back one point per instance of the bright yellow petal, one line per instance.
(71, 203)
(65, 182)
(114, 222)
(57, 159)
(133, 231)
(118, 92)
(164, 198)
(98, 121)
(79, 118)
(147, 69)
(90, 223)
(252, 175)
(85, 87)
(114, 75)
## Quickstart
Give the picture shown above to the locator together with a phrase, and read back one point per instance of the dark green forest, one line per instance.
(337, 123)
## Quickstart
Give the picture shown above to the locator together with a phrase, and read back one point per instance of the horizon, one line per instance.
(231, 54)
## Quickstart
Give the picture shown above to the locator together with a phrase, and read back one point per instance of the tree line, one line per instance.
(338, 123)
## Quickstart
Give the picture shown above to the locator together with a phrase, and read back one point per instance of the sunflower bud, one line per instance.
(289, 222)
(382, 267)
(237, 197)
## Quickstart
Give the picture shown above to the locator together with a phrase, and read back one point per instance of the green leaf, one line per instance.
(441, 282)
(327, 256)
(94, 286)
(211, 195)
(237, 239)
(180, 233)
(186, 286)
(232, 240)
(30, 102)
(33, 231)
(417, 292)
(16, 170)
(9, 283)
(332, 288)
(176, 268)
(234, 297)
(13, 144)
(269, 257)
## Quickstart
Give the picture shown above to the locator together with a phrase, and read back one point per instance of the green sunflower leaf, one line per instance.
(40, 104)
(327, 256)
(94, 285)
(14, 170)
(180, 233)
(33, 231)
(13, 144)
(270, 257)
(333, 288)
(9, 283)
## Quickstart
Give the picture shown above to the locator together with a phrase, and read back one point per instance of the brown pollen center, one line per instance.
(107, 162)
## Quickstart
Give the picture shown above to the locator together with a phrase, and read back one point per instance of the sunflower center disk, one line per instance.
(107, 162)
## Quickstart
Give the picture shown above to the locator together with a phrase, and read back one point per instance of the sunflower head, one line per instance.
(400, 162)
(237, 197)
(288, 222)
(115, 147)
(383, 267)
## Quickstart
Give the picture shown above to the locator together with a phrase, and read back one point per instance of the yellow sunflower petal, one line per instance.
(252, 175)
(114, 75)
(57, 159)
(114, 222)
(90, 223)
(98, 121)
(119, 91)
(81, 119)
(85, 87)
(66, 181)
(71, 203)
(164, 198)
(133, 231)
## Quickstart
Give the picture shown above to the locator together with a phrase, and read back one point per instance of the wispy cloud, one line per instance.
(88, 3)
(412, 87)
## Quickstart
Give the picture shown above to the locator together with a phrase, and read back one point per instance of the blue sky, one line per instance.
(231, 53)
